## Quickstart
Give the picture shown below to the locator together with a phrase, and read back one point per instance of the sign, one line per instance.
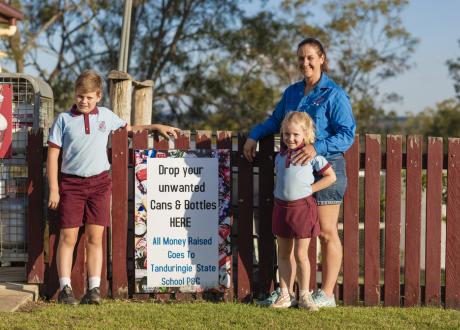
(182, 220)
(5, 120)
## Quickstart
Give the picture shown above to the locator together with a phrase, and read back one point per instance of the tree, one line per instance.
(168, 39)
(454, 71)
(56, 42)
(213, 64)
(444, 120)
(368, 44)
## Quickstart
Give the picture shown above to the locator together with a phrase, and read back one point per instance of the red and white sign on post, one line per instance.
(6, 124)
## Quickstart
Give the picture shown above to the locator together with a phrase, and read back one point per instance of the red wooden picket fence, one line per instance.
(383, 279)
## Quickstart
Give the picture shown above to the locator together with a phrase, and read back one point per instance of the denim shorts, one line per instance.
(334, 193)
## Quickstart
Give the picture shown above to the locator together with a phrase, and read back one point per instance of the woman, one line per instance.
(330, 108)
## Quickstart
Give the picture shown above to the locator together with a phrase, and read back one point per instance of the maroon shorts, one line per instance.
(295, 219)
(84, 200)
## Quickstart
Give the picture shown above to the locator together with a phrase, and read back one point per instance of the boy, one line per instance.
(83, 195)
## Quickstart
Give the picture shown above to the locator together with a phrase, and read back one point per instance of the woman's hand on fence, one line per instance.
(53, 201)
(249, 149)
(304, 155)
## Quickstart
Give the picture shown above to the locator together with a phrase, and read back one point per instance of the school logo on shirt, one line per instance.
(102, 126)
(319, 100)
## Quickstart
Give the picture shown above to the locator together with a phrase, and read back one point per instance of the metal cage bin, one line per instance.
(32, 107)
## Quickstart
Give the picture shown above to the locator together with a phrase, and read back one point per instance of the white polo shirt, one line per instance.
(294, 182)
(83, 139)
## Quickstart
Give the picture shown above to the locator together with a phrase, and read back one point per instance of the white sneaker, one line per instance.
(271, 299)
(322, 300)
(284, 301)
(306, 301)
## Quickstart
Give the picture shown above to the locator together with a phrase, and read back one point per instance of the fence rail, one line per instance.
(389, 195)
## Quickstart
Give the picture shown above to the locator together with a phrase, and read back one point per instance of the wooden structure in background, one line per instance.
(142, 102)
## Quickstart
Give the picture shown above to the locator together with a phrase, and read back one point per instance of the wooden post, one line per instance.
(35, 218)
(393, 220)
(453, 226)
(351, 228)
(372, 221)
(119, 213)
(140, 141)
(245, 243)
(413, 221)
(142, 102)
(433, 222)
(266, 240)
(120, 94)
(224, 141)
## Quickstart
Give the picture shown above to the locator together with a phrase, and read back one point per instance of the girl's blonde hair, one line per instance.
(304, 120)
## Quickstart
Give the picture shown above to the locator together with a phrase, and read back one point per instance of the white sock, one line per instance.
(284, 291)
(94, 282)
(303, 291)
(63, 281)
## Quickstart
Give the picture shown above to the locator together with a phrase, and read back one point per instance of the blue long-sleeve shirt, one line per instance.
(327, 104)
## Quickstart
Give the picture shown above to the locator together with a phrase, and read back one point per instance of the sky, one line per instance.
(437, 26)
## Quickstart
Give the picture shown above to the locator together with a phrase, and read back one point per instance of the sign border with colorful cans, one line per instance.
(224, 218)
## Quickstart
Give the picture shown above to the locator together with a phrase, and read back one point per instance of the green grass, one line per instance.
(204, 315)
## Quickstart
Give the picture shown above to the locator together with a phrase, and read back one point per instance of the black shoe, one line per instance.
(66, 296)
(92, 296)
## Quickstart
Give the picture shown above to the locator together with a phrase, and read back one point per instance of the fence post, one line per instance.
(433, 222)
(351, 228)
(140, 142)
(120, 94)
(119, 213)
(245, 241)
(203, 140)
(142, 102)
(372, 221)
(183, 141)
(453, 226)
(35, 217)
(393, 220)
(413, 221)
(266, 244)
(224, 141)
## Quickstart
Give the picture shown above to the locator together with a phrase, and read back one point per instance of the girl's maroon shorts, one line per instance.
(295, 219)
(84, 200)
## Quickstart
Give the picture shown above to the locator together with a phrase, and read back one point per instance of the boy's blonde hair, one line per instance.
(89, 81)
(304, 120)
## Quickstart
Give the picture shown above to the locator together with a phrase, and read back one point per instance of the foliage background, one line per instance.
(217, 65)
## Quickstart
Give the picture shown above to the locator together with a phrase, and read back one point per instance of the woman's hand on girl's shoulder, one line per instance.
(304, 155)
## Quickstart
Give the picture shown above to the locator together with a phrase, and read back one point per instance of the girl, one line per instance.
(295, 218)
